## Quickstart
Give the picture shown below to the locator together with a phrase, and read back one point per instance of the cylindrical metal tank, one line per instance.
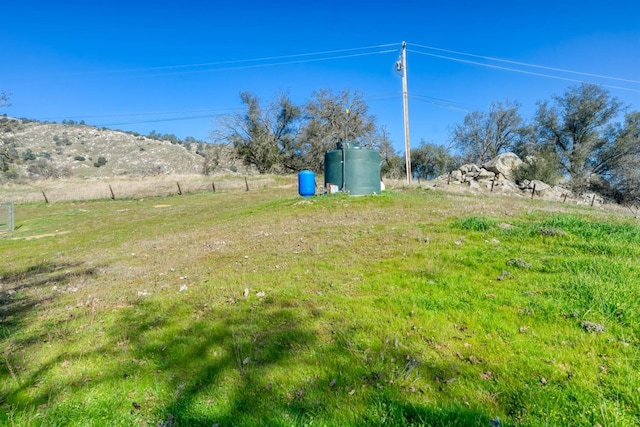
(306, 183)
(358, 174)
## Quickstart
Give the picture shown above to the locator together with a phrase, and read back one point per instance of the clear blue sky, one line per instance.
(173, 66)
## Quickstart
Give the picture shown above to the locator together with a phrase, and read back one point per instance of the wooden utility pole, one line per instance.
(405, 102)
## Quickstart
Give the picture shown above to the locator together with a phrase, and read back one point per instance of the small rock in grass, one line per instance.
(517, 262)
(504, 276)
(591, 326)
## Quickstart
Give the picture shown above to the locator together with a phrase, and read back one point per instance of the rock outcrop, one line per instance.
(498, 176)
(504, 164)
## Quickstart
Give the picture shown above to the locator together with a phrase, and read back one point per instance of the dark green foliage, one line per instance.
(8, 155)
(578, 126)
(264, 138)
(543, 167)
(101, 162)
(79, 158)
(429, 161)
(28, 155)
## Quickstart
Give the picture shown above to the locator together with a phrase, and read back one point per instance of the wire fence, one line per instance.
(52, 191)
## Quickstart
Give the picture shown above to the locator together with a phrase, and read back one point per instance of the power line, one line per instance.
(158, 113)
(173, 119)
(452, 105)
(240, 67)
(269, 58)
(543, 67)
(532, 73)
(261, 62)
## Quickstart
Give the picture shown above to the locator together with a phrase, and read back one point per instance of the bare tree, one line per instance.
(332, 118)
(391, 165)
(4, 99)
(263, 138)
(484, 135)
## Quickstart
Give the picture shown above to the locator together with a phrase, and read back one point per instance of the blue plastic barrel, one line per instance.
(306, 183)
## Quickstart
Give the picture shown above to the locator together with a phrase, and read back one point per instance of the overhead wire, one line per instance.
(533, 73)
(273, 64)
(268, 58)
(525, 64)
(331, 55)
(157, 113)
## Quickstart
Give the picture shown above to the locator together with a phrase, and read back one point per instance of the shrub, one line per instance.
(46, 169)
(543, 168)
(79, 158)
(101, 162)
(28, 155)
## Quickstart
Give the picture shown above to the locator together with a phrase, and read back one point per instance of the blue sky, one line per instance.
(173, 67)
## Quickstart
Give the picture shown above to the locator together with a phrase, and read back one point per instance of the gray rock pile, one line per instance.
(498, 176)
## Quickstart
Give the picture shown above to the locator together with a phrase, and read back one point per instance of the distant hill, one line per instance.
(30, 149)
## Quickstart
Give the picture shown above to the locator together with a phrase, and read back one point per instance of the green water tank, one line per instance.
(360, 173)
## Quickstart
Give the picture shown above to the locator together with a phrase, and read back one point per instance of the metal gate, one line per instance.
(6, 216)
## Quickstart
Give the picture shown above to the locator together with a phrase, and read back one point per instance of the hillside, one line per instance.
(43, 150)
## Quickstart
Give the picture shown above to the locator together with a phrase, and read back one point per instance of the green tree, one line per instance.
(264, 138)
(429, 161)
(332, 118)
(623, 157)
(484, 135)
(579, 126)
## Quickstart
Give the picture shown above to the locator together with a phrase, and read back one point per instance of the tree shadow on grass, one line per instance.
(264, 365)
(23, 290)
(170, 360)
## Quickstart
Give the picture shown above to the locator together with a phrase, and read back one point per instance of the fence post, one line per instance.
(213, 186)
(493, 182)
(593, 199)
(533, 192)
(246, 183)
(179, 189)
(45, 197)
(113, 196)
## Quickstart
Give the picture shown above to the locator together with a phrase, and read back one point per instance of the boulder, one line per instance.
(504, 164)
(456, 175)
(485, 174)
(469, 168)
(542, 188)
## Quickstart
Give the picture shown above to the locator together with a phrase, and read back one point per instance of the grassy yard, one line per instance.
(260, 308)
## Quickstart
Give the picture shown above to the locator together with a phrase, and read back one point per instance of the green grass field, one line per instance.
(260, 308)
